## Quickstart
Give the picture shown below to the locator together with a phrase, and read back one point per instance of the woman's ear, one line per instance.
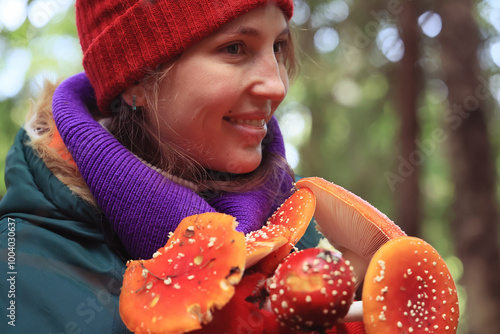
(137, 89)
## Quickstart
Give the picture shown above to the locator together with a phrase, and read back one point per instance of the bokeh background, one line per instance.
(397, 101)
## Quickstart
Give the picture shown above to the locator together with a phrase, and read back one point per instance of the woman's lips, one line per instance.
(252, 122)
(251, 131)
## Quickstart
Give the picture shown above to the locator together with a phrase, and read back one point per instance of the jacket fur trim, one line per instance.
(46, 142)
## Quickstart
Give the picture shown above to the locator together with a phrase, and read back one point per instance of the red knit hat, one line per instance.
(120, 39)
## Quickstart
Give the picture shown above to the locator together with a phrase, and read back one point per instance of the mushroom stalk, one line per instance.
(355, 313)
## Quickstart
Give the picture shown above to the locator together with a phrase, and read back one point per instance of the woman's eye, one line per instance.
(233, 49)
(279, 47)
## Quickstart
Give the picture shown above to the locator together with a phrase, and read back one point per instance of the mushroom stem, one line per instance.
(355, 312)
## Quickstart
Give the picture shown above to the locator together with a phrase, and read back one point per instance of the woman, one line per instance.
(172, 117)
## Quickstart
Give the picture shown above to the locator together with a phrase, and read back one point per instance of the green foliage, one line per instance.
(54, 52)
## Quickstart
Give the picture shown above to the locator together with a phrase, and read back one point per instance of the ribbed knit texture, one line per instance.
(121, 39)
(141, 205)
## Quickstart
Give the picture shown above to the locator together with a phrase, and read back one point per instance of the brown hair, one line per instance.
(133, 130)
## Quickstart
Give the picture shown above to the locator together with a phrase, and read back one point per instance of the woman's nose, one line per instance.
(270, 79)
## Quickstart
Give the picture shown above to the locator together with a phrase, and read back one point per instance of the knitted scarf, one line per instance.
(141, 205)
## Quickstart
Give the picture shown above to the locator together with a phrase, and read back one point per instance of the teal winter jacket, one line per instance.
(58, 273)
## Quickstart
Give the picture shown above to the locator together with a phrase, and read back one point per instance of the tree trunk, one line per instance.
(408, 214)
(475, 210)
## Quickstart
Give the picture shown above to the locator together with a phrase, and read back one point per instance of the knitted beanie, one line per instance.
(122, 39)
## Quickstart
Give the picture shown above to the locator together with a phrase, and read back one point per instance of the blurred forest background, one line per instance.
(397, 101)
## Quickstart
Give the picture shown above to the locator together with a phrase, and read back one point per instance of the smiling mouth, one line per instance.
(252, 122)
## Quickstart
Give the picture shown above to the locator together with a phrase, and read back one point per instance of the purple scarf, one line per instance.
(141, 205)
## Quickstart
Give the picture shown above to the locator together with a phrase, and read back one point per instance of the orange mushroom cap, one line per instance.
(351, 224)
(294, 214)
(176, 290)
(262, 242)
(409, 289)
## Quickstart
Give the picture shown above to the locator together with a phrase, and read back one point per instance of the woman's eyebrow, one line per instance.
(249, 31)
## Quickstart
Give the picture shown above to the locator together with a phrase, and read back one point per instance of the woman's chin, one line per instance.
(243, 166)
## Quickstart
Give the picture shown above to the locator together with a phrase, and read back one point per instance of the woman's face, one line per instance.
(217, 98)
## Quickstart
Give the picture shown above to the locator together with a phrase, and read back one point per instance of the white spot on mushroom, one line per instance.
(211, 241)
(224, 286)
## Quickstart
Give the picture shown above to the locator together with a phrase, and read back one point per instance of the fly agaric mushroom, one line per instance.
(176, 290)
(264, 241)
(294, 214)
(352, 225)
(409, 289)
(312, 289)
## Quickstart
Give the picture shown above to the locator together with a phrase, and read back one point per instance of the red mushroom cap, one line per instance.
(350, 224)
(176, 290)
(409, 289)
(262, 242)
(294, 214)
(311, 289)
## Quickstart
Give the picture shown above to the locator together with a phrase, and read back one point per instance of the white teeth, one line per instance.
(252, 122)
